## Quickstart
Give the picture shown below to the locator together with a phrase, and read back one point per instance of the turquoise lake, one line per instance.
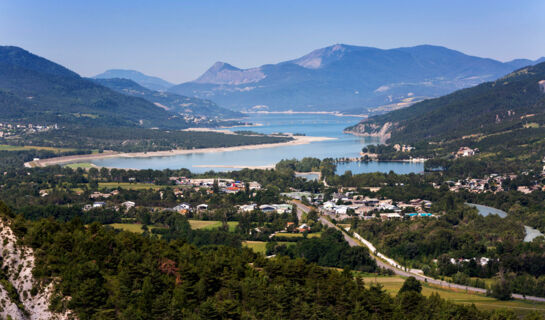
(320, 125)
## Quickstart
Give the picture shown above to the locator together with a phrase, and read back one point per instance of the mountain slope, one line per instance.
(512, 102)
(172, 102)
(152, 83)
(34, 89)
(347, 78)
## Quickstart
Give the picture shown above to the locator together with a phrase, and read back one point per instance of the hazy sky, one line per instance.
(178, 40)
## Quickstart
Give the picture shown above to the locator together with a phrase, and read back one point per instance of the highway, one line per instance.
(353, 243)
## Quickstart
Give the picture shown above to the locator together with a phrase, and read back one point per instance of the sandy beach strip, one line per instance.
(266, 167)
(297, 140)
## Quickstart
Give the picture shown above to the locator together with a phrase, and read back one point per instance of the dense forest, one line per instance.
(120, 275)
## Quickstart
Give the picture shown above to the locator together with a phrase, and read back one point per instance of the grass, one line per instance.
(392, 284)
(131, 227)
(83, 165)
(5, 147)
(210, 225)
(297, 235)
(261, 246)
(256, 246)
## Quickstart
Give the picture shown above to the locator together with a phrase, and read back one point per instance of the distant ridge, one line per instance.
(185, 106)
(152, 83)
(36, 90)
(347, 78)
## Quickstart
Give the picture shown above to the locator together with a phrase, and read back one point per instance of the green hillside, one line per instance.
(513, 102)
(34, 89)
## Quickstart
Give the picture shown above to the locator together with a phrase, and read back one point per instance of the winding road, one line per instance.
(301, 208)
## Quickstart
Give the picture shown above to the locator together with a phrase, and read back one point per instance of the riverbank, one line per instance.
(297, 140)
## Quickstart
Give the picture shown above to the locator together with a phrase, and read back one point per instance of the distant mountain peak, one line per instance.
(150, 82)
(220, 65)
(320, 57)
(224, 73)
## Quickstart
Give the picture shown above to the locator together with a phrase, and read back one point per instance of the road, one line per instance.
(353, 243)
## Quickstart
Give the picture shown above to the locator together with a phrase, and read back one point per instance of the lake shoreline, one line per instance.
(332, 113)
(297, 140)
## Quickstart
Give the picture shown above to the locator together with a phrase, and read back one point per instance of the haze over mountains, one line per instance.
(36, 90)
(170, 101)
(346, 78)
(152, 83)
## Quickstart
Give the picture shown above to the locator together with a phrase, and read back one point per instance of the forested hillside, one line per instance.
(107, 274)
(36, 90)
(513, 102)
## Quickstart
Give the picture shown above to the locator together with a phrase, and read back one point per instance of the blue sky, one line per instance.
(178, 40)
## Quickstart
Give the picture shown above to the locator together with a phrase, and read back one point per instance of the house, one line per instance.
(96, 195)
(99, 204)
(465, 152)
(255, 186)
(232, 189)
(341, 209)
(202, 207)
(282, 208)
(247, 208)
(128, 204)
(182, 208)
(303, 228)
(328, 205)
(87, 207)
(389, 216)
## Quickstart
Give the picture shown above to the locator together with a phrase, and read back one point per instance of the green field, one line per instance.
(297, 235)
(83, 165)
(261, 246)
(393, 284)
(5, 147)
(209, 225)
(131, 227)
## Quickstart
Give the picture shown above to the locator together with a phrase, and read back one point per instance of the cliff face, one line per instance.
(21, 295)
(369, 129)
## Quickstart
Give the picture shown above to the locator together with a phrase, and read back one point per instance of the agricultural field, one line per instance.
(5, 147)
(208, 225)
(297, 235)
(261, 246)
(131, 227)
(392, 284)
(83, 165)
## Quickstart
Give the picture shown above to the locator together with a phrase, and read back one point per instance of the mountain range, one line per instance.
(350, 79)
(152, 83)
(36, 90)
(170, 101)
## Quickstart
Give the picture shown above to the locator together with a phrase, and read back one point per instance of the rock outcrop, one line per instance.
(369, 129)
(22, 297)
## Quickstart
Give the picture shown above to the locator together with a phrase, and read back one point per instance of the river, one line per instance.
(531, 233)
(321, 125)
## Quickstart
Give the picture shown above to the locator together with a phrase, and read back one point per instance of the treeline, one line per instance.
(130, 139)
(330, 250)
